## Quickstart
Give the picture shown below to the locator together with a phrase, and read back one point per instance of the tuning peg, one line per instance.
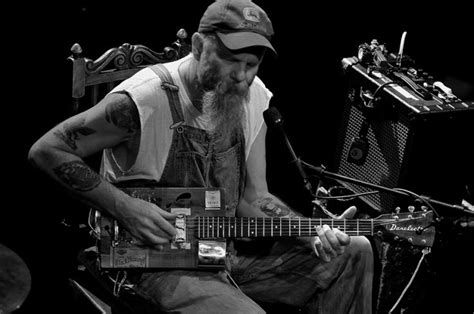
(411, 208)
(424, 208)
(397, 209)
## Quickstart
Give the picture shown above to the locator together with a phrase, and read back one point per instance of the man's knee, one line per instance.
(360, 249)
(361, 245)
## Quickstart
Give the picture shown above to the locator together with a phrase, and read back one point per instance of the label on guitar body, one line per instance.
(130, 258)
(213, 200)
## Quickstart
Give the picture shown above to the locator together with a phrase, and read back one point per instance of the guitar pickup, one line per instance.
(181, 239)
(180, 225)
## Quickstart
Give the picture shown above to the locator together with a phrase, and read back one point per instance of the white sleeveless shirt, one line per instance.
(155, 119)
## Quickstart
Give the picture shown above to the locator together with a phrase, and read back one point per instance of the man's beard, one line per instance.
(225, 106)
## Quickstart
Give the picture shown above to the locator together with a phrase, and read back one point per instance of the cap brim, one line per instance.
(240, 40)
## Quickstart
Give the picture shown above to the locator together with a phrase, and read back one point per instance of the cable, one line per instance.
(348, 196)
(119, 283)
(374, 96)
(424, 252)
(93, 224)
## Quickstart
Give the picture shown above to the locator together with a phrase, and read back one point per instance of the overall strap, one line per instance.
(171, 90)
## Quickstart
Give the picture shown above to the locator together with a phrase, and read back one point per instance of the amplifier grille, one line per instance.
(387, 149)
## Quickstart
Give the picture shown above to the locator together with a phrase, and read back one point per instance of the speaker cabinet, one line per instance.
(392, 137)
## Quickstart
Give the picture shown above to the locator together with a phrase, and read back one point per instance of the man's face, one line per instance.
(228, 71)
(225, 78)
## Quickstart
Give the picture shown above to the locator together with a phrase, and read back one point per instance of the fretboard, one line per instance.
(238, 227)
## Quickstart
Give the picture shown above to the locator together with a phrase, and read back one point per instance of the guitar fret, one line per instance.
(272, 226)
(263, 220)
(212, 227)
(280, 227)
(248, 227)
(357, 222)
(241, 226)
(299, 227)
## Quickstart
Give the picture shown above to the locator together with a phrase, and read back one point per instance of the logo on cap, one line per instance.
(251, 14)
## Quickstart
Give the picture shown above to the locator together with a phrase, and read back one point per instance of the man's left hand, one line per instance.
(330, 243)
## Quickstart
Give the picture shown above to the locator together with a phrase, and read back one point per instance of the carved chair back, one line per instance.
(92, 79)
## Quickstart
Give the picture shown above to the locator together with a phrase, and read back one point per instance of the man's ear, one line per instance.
(197, 41)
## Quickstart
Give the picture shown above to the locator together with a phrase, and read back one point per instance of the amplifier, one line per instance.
(401, 128)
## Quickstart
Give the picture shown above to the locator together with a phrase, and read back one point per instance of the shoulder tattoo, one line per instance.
(71, 132)
(77, 175)
(124, 115)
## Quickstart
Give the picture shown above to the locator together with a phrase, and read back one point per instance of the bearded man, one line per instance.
(197, 122)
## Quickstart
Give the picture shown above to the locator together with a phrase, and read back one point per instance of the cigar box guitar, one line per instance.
(203, 227)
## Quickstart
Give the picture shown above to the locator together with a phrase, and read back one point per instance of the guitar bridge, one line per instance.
(181, 239)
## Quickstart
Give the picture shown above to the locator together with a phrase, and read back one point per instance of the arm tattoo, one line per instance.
(72, 131)
(123, 115)
(77, 175)
(274, 208)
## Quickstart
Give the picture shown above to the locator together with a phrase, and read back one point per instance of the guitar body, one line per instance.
(116, 246)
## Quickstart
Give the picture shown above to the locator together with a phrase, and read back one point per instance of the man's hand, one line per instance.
(330, 243)
(149, 224)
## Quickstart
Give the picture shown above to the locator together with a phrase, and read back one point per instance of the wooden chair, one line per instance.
(91, 80)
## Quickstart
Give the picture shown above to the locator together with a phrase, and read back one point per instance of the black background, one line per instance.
(306, 80)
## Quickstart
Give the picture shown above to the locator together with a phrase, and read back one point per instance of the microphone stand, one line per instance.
(322, 173)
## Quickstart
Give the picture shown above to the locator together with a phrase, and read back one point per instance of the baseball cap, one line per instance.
(238, 24)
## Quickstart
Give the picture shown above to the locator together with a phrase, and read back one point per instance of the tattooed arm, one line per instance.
(257, 201)
(59, 153)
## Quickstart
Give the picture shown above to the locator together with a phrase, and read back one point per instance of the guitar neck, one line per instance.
(249, 227)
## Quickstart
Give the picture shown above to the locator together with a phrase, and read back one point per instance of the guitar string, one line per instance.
(293, 223)
(249, 226)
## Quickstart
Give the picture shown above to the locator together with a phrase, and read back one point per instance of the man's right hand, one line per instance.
(148, 223)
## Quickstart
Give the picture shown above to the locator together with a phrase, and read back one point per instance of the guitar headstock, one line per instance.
(417, 228)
